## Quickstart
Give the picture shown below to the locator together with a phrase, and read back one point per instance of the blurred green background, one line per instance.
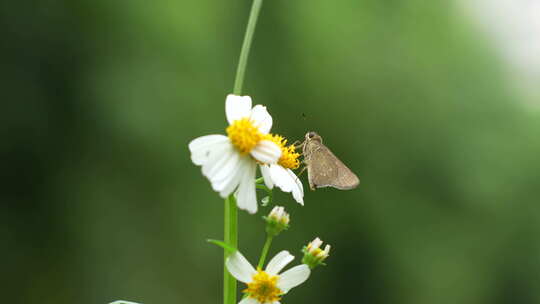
(101, 201)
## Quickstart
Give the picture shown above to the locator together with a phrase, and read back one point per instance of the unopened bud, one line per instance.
(277, 221)
(314, 255)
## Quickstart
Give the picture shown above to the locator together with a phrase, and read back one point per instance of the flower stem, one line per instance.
(246, 46)
(265, 250)
(231, 211)
(231, 238)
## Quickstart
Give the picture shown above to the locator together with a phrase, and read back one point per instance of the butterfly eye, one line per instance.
(311, 135)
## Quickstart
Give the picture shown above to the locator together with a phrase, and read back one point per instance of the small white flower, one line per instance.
(280, 173)
(314, 255)
(314, 248)
(230, 162)
(279, 215)
(277, 221)
(267, 286)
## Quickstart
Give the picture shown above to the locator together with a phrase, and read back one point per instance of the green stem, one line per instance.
(231, 238)
(231, 211)
(265, 250)
(246, 46)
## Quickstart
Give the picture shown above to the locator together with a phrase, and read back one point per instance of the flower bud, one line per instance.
(314, 255)
(276, 221)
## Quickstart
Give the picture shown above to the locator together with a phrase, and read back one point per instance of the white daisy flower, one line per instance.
(266, 286)
(281, 174)
(230, 162)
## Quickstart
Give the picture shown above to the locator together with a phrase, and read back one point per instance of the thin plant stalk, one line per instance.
(246, 46)
(231, 211)
(265, 250)
(231, 238)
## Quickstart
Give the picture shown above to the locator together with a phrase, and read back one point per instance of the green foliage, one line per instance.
(102, 202)
(223, 245)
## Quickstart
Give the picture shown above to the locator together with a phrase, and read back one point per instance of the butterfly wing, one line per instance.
(326, 170)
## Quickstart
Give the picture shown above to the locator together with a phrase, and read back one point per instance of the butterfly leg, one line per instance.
(302, 171)
(311, 185)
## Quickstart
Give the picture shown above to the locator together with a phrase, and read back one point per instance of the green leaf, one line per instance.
(223, 245)
(263, 187)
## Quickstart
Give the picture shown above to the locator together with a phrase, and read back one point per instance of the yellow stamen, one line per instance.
(263, 288)
(244, 135)
(289, 156)
(317, 252)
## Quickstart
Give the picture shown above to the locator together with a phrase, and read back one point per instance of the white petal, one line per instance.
(246, 198)
(276, 302)
(217, 161)
(261, 119)
(281, 178)
(279, 262)
(224, 170)
(266, 152)
(237, 107)
(249, 301)
(202, 147)
(317, 242)
(293, 277)
(265, 171)
(230, 185)
(239, 267)
(287, 181)
(228, 178)
(298, 189)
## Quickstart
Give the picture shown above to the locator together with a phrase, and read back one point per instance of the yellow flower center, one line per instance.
(244, 135)
(263, 288)
(289, 156)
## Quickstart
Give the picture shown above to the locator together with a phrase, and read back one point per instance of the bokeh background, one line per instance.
(100, 200)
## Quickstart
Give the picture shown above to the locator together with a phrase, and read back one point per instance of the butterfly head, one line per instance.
(312, 136)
